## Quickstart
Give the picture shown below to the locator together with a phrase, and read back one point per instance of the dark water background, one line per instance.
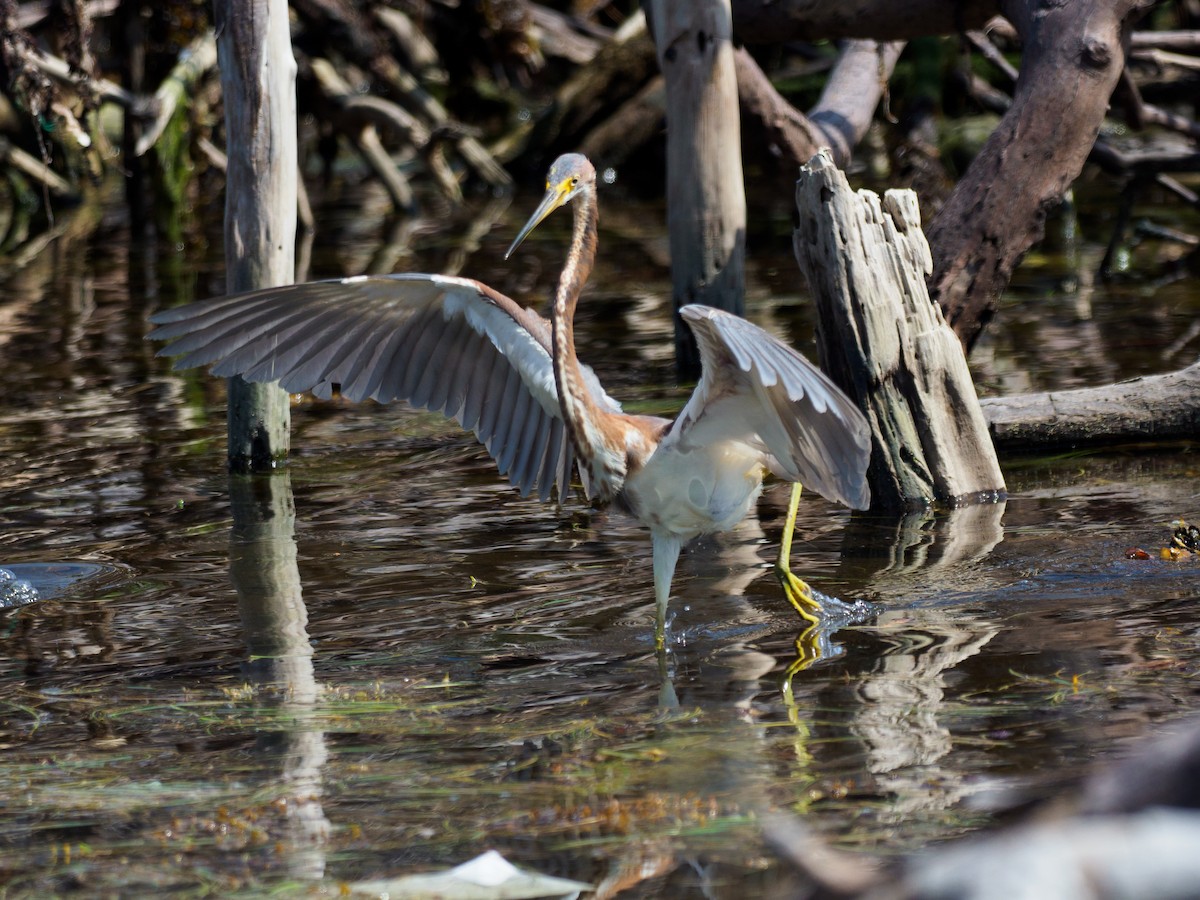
(458, 669)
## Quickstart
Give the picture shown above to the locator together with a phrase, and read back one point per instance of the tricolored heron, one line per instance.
(456, 346)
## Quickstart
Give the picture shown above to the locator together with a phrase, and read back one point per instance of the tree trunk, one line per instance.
(884, 342)
(706, 200)
(258, 82)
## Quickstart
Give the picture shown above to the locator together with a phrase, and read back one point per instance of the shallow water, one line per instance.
(395, 662)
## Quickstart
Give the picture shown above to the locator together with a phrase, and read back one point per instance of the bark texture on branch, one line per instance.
(1151, 408)
(1072, 60)
(885, 344)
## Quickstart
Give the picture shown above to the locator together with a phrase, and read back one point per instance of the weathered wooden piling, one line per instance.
(886, 344)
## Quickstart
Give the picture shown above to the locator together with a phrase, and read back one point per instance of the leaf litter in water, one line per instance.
(1184, 544)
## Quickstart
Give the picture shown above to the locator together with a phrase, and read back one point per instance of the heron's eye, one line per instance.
(574, 181)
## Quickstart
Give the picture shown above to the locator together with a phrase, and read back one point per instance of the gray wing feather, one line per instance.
(449, 345)
(814, 432)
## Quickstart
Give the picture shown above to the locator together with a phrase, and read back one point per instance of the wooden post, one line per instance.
(706, 200)
(886, 344)
(258, 83)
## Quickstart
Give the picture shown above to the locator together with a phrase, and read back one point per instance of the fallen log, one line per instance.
(1151, 408)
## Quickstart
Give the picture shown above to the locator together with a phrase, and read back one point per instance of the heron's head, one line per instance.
(571, 174)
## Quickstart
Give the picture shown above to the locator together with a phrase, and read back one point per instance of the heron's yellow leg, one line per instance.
(798, 593)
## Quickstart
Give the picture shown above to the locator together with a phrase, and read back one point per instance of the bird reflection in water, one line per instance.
(456, 346)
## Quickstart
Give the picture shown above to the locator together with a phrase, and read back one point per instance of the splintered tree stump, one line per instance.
(886, 344)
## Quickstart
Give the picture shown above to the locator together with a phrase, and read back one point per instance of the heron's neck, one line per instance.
(596, 444)
(575, 273)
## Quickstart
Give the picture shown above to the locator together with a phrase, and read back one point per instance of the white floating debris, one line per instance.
(488, 876)
(487, 869)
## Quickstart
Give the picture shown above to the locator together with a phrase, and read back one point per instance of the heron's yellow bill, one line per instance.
(556, 196)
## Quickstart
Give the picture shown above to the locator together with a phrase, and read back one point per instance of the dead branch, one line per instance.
(35, 169)
(776, 21)
(366, 137)
(558, 35)
(361, 44)
(997, 210)
(636, 121)
(195, 60)
(617, 74)
(1166, 40)
(421, 54)
(101, 88)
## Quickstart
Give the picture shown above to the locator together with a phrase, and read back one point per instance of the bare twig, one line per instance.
(33, 13)
(1166, 40)
(472, 151)
(1141, 113)
(989, 51)
(559, 35)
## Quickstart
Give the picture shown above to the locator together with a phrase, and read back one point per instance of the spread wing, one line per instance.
(449, 345)
(757, 389)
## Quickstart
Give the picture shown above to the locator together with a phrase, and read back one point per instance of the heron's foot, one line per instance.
(800, 595)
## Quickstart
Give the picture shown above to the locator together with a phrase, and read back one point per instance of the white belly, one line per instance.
(696, 492)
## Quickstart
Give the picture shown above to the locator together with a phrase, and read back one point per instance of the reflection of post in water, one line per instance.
(262, 566)
(916, 547)
(922, 542)
(902, 697)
